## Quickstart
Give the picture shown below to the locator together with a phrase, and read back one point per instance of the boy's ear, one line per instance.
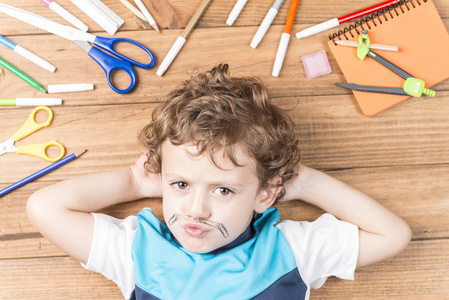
(267, 196)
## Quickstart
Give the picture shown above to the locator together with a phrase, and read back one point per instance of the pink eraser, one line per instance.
(316, 64)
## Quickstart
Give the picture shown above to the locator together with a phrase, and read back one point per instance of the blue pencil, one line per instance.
(42, 172)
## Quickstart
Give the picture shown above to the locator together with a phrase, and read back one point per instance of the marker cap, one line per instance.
(180, 41)
(235, 11)
(75, 87)
(38, 101)
(283, 44)
(264, 27)
(318, 28)
(34, 58)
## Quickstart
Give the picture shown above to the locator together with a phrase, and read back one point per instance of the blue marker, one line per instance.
(27, 54)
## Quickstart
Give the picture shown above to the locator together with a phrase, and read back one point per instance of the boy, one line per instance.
(220, 155)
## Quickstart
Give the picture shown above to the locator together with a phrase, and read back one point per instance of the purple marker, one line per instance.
(65, 15)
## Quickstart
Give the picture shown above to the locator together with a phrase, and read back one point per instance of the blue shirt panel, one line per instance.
(165, 270)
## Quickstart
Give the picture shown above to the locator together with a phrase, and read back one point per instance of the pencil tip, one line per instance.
(156, 27)
(78, 154)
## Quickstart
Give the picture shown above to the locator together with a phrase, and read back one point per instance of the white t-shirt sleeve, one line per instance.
(323, 248)
(110, 253)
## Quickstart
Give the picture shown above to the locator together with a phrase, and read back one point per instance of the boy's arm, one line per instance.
(61, 212)
(382, 234)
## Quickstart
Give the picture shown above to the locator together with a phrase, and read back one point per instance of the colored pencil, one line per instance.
(337, 21)
(285, 39)
(147, 14)
(371, 45)
(42, 172)
(133, 9)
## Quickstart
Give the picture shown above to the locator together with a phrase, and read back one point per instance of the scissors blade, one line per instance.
(48, 25)
(3, 148)
(84, 45)
(7, 146)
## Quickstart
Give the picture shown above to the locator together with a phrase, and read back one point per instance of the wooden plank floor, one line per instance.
(399, 157)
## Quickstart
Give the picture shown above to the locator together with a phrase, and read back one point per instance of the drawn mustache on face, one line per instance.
(205, 221)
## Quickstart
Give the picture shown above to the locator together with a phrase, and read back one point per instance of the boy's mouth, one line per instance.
(195, 226)
(194, 230)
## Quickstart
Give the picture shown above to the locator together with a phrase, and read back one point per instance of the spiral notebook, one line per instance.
(417, 29)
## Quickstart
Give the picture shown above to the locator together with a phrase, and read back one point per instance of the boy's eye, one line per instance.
(223, 191)
(181, 185)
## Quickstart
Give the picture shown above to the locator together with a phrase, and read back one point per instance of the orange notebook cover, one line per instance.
(417, 29)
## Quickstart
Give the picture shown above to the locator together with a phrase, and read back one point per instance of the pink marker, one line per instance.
(65, 15)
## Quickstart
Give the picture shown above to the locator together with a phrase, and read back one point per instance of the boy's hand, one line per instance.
(147, 183)
(382, 234)
(294, 186)
(61, 211)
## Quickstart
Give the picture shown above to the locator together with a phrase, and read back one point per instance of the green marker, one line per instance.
(30, 101)
(22, 75)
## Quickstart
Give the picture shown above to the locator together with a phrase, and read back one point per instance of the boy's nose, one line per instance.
(197, 206)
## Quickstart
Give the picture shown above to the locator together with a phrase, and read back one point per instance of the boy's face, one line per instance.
(195, 187)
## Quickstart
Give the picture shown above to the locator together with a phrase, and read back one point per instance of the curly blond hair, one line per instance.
(216, 111)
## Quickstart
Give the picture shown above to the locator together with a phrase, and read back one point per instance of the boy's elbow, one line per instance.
(408, 234)
(378, 247)
(401, 237)
(35, 209)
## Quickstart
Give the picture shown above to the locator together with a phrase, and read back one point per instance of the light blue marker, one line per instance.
(27, 54)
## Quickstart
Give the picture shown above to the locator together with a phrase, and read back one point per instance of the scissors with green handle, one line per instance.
(30, 126)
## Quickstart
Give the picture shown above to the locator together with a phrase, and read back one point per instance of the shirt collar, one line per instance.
(244, 237)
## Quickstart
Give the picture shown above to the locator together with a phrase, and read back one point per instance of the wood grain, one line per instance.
(419, 272)
(399, 157)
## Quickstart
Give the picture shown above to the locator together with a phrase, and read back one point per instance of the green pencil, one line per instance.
(21, 75)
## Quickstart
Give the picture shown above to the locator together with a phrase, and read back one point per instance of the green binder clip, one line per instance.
(412, 86)
(416, 87)
(363, 47)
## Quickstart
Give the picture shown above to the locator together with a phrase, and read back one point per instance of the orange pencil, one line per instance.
(285, 38)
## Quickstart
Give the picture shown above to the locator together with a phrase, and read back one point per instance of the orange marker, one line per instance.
(285, 38)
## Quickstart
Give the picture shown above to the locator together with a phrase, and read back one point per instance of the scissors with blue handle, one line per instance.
(30, 126)
(108, 62)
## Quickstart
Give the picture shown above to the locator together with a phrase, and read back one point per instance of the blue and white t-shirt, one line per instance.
(269, 261)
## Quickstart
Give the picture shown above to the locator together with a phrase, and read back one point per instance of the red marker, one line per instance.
(337, 21)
